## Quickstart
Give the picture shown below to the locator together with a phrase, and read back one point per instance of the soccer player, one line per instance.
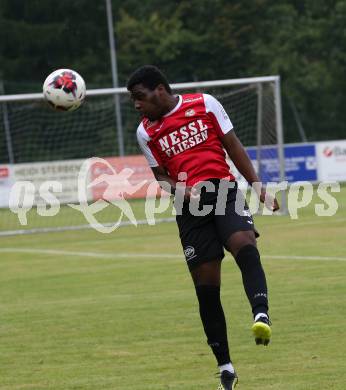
(183, 138)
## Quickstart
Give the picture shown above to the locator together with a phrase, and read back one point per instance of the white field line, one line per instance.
(150, 255)
(295, 223)
(289, 257)
(88, 254)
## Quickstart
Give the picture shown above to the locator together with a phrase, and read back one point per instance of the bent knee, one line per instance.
(208, 273)
(240, 239)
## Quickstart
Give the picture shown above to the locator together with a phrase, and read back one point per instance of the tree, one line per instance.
(301, 40)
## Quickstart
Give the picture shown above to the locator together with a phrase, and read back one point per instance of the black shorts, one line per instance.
(204, 237)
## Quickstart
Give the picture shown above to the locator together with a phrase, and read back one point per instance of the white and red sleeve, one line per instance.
(143, 141)
(219, 115)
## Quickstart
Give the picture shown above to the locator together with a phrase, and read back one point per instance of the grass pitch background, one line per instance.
(84, 310)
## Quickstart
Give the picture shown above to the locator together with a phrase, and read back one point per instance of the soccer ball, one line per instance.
(64, 89)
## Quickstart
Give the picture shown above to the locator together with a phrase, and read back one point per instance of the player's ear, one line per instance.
(161, 88)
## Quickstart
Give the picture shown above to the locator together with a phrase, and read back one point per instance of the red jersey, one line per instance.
(187, 139)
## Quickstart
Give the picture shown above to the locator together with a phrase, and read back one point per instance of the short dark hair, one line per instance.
(150, 76)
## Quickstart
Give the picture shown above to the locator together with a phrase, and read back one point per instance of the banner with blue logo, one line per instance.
(300, 162)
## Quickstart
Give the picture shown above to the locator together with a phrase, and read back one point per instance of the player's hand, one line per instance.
(269, 201)
(191, 193)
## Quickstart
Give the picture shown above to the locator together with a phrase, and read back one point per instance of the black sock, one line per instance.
(214, 322)
(254, 280)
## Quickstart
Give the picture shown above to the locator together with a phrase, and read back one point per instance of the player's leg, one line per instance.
(237, 232)
(204, 252)
(207, 278)
(242, 245)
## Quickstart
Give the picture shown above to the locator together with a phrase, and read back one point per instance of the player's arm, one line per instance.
(162, 177)
(234, 148)
(241, 160)
(239, 156)
(167, 183)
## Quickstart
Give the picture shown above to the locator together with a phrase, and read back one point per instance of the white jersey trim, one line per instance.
(214, 106)
(176, 108)
(143, 139)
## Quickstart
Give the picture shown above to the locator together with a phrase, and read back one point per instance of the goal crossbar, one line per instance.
(176, 86)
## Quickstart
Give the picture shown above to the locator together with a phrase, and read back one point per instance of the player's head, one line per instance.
(150, 91)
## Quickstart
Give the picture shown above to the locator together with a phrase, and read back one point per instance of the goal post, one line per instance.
(36, 141)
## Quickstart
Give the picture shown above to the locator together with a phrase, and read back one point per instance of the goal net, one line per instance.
(40, 147)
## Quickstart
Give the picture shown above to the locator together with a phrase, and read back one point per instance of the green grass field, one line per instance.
(84, 310)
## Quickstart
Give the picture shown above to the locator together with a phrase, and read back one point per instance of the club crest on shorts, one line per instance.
(189, 252)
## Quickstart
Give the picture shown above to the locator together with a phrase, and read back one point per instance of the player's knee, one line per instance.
(239, 240)
(207, 274)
